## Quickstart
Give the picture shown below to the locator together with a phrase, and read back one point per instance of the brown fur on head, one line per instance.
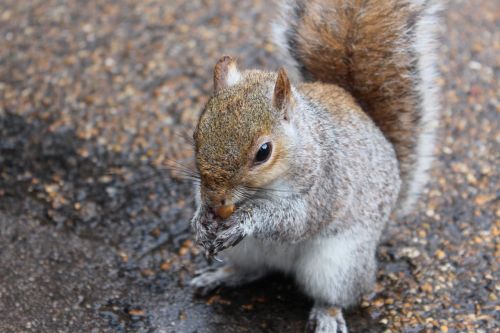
(241, 116)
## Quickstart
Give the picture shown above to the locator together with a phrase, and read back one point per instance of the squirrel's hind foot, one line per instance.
(211, 278)
(326, 319)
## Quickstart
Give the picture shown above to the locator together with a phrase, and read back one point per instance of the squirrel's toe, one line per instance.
(205, 283)
(326, 320)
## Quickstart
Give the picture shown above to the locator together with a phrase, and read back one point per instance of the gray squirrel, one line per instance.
(302, 177)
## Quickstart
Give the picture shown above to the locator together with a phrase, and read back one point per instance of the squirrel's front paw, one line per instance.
(216, 235)
(231, 235)
(205, 230)
(324, 319)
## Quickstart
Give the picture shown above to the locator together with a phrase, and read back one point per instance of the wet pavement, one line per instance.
(98, 99)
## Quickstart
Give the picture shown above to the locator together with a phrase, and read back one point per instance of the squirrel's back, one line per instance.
(382, 52)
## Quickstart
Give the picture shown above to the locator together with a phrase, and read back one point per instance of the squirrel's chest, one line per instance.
(253, 253)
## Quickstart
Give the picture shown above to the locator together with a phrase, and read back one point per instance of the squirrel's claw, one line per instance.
(228, 238)
(215, 235)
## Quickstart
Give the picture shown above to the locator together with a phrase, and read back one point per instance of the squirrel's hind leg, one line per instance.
(326, 319)
(229, 276)
(335, 272)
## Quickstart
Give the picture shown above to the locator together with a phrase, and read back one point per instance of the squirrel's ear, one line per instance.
(282, 97)
(226, 73)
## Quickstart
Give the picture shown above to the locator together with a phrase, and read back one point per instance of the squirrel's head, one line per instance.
(239, 139)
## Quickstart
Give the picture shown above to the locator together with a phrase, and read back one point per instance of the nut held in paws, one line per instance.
(224, 211)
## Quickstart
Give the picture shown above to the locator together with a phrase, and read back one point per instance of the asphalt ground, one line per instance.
(97, 98)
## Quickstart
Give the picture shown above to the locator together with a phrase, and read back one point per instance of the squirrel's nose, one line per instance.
(224, 211)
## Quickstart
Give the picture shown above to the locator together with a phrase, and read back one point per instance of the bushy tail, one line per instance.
(382, 52)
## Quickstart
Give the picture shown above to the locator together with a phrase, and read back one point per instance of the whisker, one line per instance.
(264, 189)
(248, 194)
(184, 135)
(182, 170)
(242, 194)
(179, 165)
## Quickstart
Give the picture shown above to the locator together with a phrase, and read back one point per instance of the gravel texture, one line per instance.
(98, 98)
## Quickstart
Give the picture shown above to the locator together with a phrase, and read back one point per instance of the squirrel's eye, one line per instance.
(263, 153)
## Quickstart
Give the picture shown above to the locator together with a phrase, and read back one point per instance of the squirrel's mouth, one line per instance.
(224, 211)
